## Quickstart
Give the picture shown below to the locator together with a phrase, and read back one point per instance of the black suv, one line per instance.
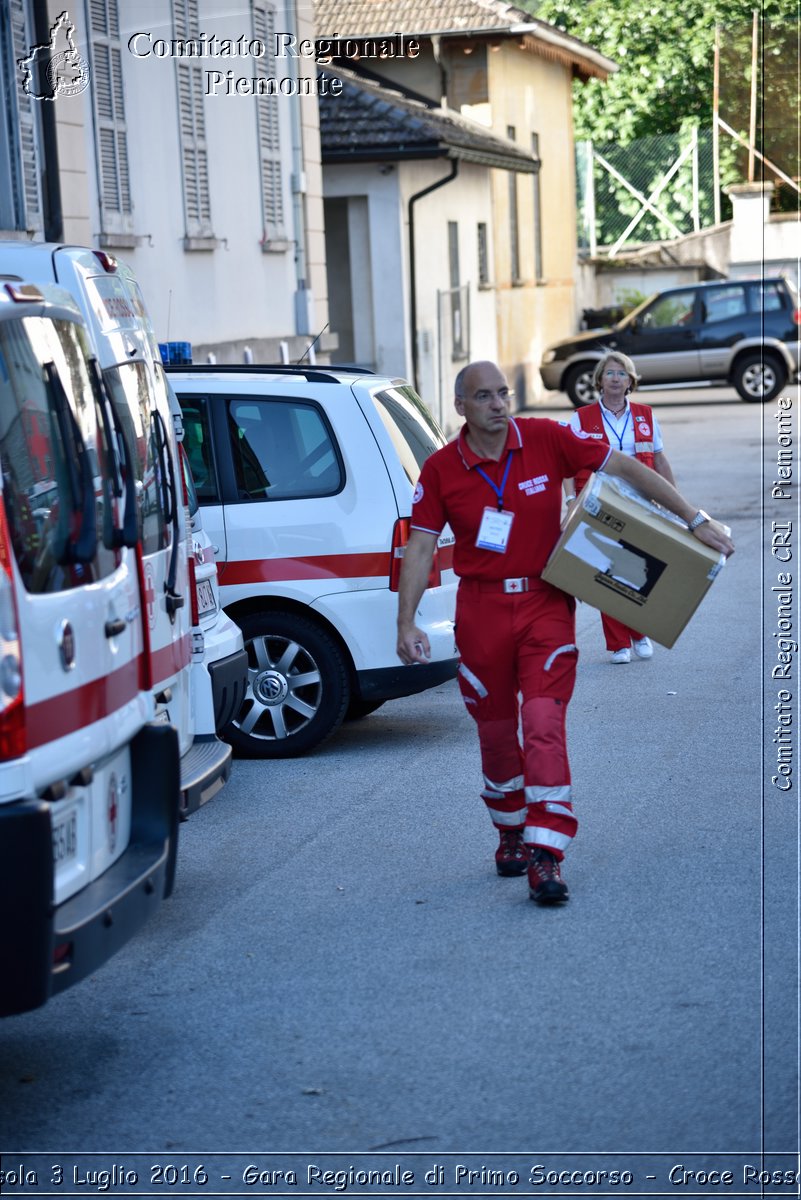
(739, 331)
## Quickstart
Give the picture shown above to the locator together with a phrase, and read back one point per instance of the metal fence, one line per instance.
(652, 189)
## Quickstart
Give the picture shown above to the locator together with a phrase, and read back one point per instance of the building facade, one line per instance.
(178, 135)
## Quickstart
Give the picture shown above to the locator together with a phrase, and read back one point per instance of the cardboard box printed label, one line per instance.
(632, 560)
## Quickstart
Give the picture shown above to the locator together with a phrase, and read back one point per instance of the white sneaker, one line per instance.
(644, 648)
(622, 656)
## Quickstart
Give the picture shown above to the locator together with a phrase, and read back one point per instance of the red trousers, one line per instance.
(618, 636)
(517, 672)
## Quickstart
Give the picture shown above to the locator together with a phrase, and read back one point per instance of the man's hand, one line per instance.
(413, 646)
(713, 534)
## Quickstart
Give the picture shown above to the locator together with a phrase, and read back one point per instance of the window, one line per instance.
(722, 304)
(198, 447)
(133, 401)
(282, 450)
(766, 297)
(483, 256)
(20, 154)
(267, 121)
(192, 123)
(514, 223)
(411, 427)
(676, 309)
(535, 179)
(111, 133)
(62, 512)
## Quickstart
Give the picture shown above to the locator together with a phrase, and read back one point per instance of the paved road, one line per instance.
(341, 970)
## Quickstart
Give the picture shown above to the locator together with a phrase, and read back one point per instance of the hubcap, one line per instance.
(759, 379)
(285, 689)
(585, 388)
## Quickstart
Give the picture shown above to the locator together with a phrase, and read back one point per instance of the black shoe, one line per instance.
(545, 882)
(511, 857)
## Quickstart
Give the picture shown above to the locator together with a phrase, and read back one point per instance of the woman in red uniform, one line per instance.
(633, 429)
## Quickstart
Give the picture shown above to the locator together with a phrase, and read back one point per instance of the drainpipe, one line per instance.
(53, 217)
(304, 301)
(432, 187)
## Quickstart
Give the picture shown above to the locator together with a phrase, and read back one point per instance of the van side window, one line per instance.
(49, 457)
(198, 446)
(133, 400)
(282, 450)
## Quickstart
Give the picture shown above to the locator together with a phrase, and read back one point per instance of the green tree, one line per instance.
(664, 85)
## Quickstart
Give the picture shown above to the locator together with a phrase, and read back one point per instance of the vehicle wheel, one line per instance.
(361, 708)
(759, 377)
(297, 688)
(579, 386)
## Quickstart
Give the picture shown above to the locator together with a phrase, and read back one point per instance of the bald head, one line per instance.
(466, 377)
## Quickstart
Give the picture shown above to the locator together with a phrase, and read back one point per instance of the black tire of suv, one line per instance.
(759, 366)
(269, 637)
(579, 386)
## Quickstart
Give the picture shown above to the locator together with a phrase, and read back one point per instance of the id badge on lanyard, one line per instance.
(493, 533)
(496, 525)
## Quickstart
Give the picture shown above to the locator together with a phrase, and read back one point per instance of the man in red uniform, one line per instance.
(499, 487)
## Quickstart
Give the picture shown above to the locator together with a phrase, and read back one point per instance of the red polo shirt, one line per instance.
(452, 491)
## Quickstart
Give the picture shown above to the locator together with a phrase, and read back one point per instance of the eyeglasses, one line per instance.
(485, 395)
(619, 374)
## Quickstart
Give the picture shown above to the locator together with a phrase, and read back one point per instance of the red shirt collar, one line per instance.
(470, 459)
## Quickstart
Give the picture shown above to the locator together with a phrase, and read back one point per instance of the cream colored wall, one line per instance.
(73, 138)
(534, 95)
(310, 132)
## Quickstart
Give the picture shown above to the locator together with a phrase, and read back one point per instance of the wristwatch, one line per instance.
(698, 519)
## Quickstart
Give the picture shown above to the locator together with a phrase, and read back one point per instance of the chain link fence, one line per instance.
(650, 190)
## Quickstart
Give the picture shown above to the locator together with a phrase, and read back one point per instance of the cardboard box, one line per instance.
(632, 559)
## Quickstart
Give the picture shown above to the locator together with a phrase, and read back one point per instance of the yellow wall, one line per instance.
(534, 95)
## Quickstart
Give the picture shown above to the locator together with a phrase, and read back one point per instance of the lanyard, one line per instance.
(622, 433)
(498, 490)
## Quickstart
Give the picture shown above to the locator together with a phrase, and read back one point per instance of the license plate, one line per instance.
(205, 597)
(65, 837)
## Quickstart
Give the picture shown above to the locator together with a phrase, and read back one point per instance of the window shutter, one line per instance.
(24, 151)
(111, 133)
(192, 125)
(267, 117)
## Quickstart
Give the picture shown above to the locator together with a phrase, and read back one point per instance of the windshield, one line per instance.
(635, 312)
(54, 458)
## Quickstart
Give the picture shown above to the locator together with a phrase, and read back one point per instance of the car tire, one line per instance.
(579, 385)
(759, 377)
(361, 708)
(297, 690)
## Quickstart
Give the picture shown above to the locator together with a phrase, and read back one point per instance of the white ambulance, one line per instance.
(89, 787)
(196, 668)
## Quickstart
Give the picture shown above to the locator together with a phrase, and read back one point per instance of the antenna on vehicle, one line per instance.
(311, 343)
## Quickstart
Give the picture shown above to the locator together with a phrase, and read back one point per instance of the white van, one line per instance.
(192, 671)
(89, 798)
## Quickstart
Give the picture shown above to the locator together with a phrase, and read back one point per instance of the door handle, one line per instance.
(115, 628)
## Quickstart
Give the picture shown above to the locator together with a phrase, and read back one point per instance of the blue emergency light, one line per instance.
(177, 354)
